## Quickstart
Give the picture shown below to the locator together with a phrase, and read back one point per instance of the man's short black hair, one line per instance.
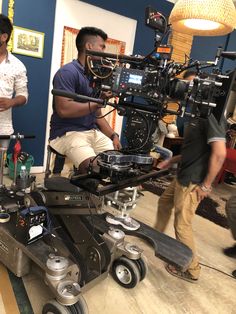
(85, 33)
(5, 26)
(189, 73)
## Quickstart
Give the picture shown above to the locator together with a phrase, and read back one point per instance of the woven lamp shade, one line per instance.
(203, 17)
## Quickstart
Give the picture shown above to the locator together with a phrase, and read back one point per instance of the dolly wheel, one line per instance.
(79, 307)
(54, 307)
(125, 272)
(142, 266)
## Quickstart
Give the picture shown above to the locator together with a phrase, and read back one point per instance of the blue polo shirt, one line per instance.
(71, 78)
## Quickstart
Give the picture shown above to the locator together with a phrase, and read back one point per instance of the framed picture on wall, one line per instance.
(28, 42)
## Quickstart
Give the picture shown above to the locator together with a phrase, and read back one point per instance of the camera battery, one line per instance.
(31, 224)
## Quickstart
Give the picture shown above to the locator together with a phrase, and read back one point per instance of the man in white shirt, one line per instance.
(13, 81)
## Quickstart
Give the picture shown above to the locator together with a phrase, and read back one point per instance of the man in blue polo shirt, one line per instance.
(75, 130)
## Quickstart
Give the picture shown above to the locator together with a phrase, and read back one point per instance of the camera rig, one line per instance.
(143, 86)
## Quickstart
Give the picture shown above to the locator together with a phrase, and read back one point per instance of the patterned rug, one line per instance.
(20, 293)
(211, 208)
(13, 297)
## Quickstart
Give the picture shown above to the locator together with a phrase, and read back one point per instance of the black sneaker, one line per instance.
(230, 251)
(230, 182)
(234, 273)
(230, 179)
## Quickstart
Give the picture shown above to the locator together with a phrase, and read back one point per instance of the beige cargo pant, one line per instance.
(184, 202)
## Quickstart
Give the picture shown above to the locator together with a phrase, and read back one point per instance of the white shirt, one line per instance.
(13, 82)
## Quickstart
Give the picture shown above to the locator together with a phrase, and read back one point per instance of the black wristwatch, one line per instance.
(114, 135)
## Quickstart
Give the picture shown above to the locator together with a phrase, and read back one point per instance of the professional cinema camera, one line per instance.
(61, 230)
(143, 87)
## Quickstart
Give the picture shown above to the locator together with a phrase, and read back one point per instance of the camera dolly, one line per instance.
(60, 233)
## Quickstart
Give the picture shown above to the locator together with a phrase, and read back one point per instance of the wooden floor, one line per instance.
(8, 302)
(159, 292)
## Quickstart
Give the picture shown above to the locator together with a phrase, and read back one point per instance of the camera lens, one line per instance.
(177, 89)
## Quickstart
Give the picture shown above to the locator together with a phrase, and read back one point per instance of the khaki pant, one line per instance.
(79, 146)
(184, 202)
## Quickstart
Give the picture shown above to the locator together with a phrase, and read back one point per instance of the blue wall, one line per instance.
(31, 119)
(144, 40)
(229, 64)
(204, 49)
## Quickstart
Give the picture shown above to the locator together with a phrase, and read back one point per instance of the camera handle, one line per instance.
(78, 98)
(16, 137)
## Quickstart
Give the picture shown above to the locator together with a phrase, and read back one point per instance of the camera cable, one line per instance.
(103, 116)
(216, 269)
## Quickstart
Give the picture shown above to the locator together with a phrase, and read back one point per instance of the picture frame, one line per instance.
(28, 42)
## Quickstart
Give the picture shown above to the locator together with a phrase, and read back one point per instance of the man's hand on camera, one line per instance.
(5, 103)
(106, 95)
(155, 162)
(165, 164)
(116, 143)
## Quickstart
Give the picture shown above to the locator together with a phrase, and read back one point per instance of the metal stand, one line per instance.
(123, 201)
(2, 153)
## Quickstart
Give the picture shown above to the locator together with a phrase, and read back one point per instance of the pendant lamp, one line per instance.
(203, 17)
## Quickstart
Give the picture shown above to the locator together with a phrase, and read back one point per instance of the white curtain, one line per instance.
(69, 51)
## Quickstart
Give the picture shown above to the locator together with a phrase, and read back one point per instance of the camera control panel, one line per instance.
(128, 80)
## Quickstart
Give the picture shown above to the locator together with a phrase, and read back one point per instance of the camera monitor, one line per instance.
(128, 80)
(155, 20)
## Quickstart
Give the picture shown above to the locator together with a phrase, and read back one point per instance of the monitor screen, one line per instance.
(135, 79)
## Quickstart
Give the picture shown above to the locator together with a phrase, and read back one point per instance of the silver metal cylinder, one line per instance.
(57, 267)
